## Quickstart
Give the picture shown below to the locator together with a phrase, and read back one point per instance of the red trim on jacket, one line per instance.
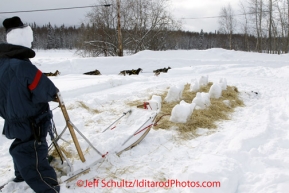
(34, 84)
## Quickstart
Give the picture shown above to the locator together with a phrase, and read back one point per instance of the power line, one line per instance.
(218, 16)
(211, 17)
(55, 9)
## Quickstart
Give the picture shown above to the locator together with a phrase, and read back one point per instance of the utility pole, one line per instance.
(287, 47)
(120, 48)
(270, 27)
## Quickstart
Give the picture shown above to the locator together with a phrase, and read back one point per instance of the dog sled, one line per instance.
(125, 133)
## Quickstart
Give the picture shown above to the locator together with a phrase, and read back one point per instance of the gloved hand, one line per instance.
(55, 97)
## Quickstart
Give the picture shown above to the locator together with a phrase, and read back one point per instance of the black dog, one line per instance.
(158, 71)
(130, 72)
(95, 72)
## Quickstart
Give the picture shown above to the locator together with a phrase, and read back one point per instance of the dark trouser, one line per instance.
(30, 163)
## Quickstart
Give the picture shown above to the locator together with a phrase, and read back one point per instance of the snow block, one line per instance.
(155, 103)
(157, 99)
(202, 100)
(174, 94)
(204, 80)
(216, 91)
(194, 86)
(223, 83)
(182, 112)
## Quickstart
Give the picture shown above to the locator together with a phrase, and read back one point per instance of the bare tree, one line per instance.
(260, 15)
(282, 13)
(256, 14)
(102, 37)
(227, 22)
(148, 23)
(144, 25)
(270, 25)
(245, 26)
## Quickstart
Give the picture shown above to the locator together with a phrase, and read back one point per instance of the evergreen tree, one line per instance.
(2, 35)
(201, 40)
(50, 37)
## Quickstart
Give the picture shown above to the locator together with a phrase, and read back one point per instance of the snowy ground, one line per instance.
(247, 154)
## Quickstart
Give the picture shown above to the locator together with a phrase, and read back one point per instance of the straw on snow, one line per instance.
(201, 118)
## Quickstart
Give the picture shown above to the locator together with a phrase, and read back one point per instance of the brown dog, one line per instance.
(51, 73)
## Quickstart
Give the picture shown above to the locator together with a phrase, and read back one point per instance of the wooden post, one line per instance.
(70, 127)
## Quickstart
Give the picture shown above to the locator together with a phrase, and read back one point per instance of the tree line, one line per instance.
(50, 37)
(71, 37)
(259, 26)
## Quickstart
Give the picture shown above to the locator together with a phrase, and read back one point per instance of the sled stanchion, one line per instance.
(142, 131)
(124, 114)
(70, 127)
(136, 131)
(85, 138)
(57, 147)
(68, 162)
(59, 136)
(62, 156)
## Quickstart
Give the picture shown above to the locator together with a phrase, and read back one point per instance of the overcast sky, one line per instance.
(180, 9)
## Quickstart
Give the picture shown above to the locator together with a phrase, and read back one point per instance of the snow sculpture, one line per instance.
(215, 91)
(155, 103)
(202, 100)
(206, 99)
(194, 86)
(182, 112)
(223, 83)
(175, 93)
(181, 87)
(204, 81)
(192, 105)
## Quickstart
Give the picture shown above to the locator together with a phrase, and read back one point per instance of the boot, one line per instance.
(18, 179)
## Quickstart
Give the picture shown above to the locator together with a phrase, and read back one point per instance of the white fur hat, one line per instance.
(17, 32)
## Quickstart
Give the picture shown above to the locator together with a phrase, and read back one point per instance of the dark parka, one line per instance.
(24, 97)
(25, 92)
